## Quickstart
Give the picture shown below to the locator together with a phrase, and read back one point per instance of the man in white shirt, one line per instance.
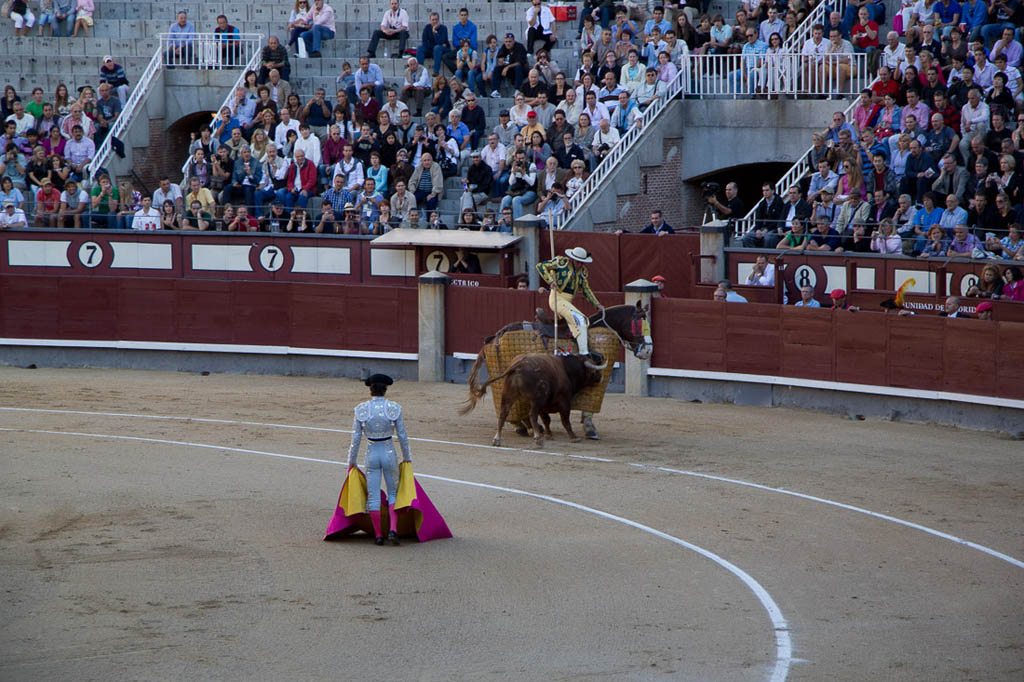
(12, 216)
(73, 205)
(281, 131)
(394, 106)
(351, 169)
(308, 143)
(168, 190)
(394, 24)
(974, 119)
(146, 218)
(540, 25)
(598, 112)
(494, 154)
(894, 55)
(606, 136)
(814, 47)
(984, 70)
(22, 119)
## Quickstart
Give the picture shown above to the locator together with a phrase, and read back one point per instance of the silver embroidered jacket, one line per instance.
(378, 419)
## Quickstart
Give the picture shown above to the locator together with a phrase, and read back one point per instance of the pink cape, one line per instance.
(417, 516)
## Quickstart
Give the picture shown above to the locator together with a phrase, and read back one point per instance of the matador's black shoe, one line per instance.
(378, 540)
(393, 537)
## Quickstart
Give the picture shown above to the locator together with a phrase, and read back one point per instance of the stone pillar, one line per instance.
(636, 369)
(528, 227)
(431, 326)
(713, 237)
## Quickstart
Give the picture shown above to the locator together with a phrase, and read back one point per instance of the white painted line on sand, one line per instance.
(783, 642)
(782, 491)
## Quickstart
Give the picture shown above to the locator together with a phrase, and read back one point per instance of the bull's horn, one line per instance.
(591, 365)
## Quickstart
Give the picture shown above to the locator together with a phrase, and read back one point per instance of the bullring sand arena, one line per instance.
(167, 526)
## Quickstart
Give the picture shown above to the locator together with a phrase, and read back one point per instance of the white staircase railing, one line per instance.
(212, 51)
(135, 100)
(819, 15)
(735, 76)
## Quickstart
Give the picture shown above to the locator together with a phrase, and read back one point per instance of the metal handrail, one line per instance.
(819, 15)
(142, 89)
(206, 50)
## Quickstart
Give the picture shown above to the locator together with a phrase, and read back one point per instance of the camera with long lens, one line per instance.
(709, 189)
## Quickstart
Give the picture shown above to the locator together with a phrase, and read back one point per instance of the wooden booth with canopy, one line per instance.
(473, 259)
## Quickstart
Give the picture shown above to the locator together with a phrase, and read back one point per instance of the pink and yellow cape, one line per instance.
(417, 516)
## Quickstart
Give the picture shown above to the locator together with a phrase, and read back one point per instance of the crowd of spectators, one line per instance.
(929, 162)
(377, 154)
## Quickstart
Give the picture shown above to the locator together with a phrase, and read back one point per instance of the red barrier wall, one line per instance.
(621, 259)
(921, 352)
(303, 315)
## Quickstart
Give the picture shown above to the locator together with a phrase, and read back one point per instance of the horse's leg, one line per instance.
(501, 422)
(523, 429)
(588, 426)
(538, 435)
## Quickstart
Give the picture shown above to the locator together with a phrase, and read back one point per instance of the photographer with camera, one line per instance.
(732, 208)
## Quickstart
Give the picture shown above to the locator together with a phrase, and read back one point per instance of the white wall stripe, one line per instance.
(836, 386)
(722, 479)
(783, 642)
(208, 348)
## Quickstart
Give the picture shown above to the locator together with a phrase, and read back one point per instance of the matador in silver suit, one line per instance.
(380, 420)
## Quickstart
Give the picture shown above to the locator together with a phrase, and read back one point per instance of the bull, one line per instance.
(547, 382)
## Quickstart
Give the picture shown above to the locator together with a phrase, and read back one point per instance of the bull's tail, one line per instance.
(477, 392)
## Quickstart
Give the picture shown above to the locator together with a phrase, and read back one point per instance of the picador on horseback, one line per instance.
(566, 276)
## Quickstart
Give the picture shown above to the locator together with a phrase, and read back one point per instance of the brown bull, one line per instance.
(547, 382)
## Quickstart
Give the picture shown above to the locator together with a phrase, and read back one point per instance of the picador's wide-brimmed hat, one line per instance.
(379, 379)
(580, 254)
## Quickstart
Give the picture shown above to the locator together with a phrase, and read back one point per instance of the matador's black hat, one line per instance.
(379, 379)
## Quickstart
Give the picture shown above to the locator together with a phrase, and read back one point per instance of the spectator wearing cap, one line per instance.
(540, 25)
(984, 310)
(660, 281)
(512, 64)
(114, 74)
(505, 129)
(838, 297)
(179, 46)
(12, 216)
(532, 126)
(394, 25)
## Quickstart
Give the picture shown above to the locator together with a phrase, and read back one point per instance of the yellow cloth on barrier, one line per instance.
(353, 494)
(406, 486)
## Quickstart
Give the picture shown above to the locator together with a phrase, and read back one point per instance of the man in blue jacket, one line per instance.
(434, 42)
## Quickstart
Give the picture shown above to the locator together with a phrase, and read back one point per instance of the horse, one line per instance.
(626, 322)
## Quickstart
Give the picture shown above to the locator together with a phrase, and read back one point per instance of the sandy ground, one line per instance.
(141, 560)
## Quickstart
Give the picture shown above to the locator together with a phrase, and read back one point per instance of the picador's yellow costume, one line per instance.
(566, 277)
